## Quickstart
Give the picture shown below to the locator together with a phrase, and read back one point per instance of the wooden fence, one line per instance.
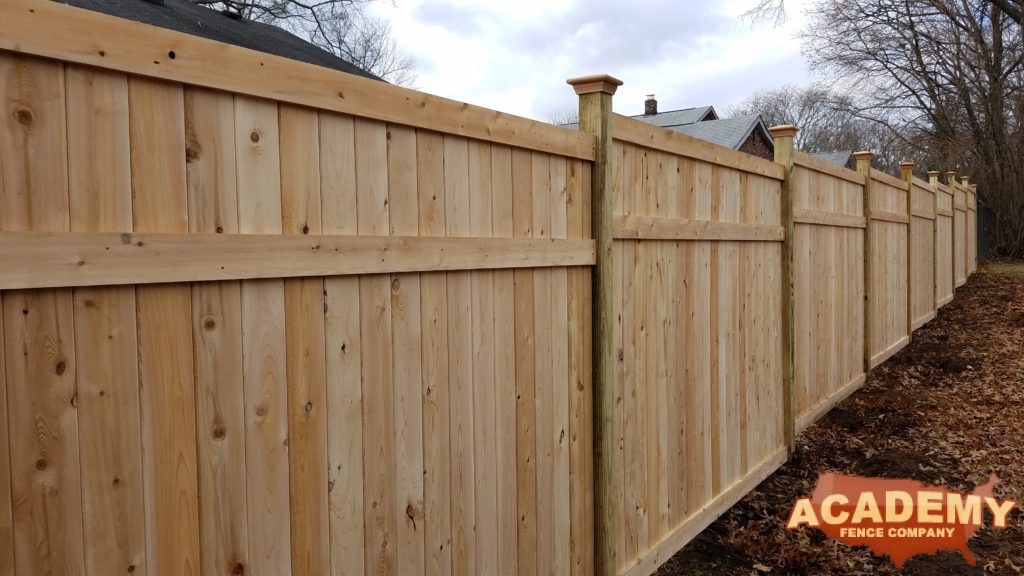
(828, 214)
(266, 318)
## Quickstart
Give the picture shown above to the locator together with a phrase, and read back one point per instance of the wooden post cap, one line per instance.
(935, 173)
(595, 83)
(965, 180)
(863, 155)
(906, 164)
(783, 131)
(951, 173)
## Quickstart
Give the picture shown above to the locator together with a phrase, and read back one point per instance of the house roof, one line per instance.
(185, 16)
(840, 157)
(679, 117)
(728, 132)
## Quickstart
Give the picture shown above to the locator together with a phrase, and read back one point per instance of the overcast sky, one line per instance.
(514, 56)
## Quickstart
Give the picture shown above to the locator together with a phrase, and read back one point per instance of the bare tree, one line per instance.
(767, 12)
(823, 116)
(368, 42)
(339, 26)
(945, 78)
(566, 117)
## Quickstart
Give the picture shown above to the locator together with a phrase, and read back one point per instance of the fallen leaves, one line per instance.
(948, 410)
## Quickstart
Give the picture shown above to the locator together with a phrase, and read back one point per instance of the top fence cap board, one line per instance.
(825, 167)
(61, 32)
(665, 140)
(888, 179)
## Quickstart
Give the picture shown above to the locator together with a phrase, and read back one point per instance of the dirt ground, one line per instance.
(946, 410)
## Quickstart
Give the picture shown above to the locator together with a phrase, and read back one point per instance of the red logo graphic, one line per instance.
(900, 518)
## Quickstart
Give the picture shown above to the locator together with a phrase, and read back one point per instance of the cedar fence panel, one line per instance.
(306, 421)
(960, 235)
(972, 231)
(887, 329)
(944, 260)
(828, 285)
(698, 316)
(268, 317)
(922, 238)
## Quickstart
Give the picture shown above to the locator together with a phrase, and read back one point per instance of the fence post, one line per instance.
(783, 136)
(595, 94)
(907, 174)
(933, 181)
(863, 159)
(951, 182)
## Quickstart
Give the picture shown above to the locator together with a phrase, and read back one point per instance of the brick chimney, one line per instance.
(650, 106)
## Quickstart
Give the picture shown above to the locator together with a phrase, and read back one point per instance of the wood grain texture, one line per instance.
(375, 332)
(264, 350)
(344, 364)
(166, 367)
(437, 527)
(105, 329)
(45, 475)
(407, 341)
(305, 349)
(216, 336)
(95, 39)
(6, 520)
(460, 363)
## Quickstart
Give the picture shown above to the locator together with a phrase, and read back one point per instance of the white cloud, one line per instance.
(516, 56)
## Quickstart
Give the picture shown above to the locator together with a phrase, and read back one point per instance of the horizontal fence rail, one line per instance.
(263, 317)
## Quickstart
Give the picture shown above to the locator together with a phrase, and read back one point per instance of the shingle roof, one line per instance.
(185, 16)
(840, 157)
(679, 117)
(728, 132)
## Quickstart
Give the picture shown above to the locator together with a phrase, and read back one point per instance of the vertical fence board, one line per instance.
(217, 337)
(430, 187)
(504, 366)
(43, 422)
(344, 351)
(483, 360)
(581, 477)
(560, 382)
(525, 347)
(264, 378)
(105, 329)
(407, 358)
(305, 349)
(375, 332)
(166, 370)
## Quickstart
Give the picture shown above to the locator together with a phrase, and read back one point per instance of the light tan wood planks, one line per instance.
(502, 223)
(525, 361)
(460, 364)
(344, 351)
(264, 370)
(581, 473)
(437, 527)
(95, 39)
(483, 366)
(407, 341)
(716, 303)
(888, 258)
(156, 127)
(6, 522)
(43, 505)
(379, 515)
(216, 333)
(828, 210)
(305, 349)
(105, 329)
